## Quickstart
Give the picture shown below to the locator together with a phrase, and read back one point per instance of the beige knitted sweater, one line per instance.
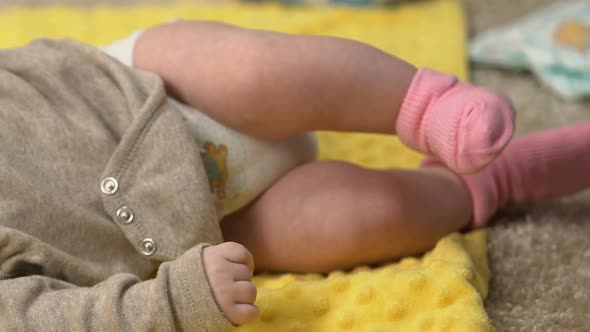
(104, 202)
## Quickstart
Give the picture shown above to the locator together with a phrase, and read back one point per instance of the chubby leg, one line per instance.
(334, 215)
(540, 166)
(274, 85)
(328, 215)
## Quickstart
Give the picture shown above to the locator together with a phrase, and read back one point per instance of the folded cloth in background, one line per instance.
(554, 43)
(330, 2)
(442, 291)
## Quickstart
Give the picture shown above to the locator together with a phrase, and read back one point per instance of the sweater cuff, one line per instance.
(192, 295)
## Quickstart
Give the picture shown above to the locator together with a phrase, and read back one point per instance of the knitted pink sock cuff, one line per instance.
(426, 85)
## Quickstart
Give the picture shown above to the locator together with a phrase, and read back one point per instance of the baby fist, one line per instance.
(229, 267)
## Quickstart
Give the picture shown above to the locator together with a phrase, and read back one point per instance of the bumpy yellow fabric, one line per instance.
(442, 291)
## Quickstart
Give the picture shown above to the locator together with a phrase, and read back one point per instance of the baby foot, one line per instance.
(466, 127)
(229, 267)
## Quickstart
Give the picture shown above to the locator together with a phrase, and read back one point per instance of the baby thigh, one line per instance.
(330, 215)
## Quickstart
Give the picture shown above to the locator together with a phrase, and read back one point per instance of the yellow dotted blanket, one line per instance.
(441, 291)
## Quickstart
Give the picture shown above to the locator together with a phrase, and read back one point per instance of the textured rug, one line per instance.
(539, 256)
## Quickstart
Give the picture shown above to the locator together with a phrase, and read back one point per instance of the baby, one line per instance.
(225, 154)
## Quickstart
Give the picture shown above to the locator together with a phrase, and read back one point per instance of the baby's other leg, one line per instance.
(274, 85)
(544, 165)
(334, 215)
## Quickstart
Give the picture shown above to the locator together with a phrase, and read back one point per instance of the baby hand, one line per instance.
(229, 267)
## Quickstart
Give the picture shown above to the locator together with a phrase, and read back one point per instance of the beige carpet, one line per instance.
(540, 259)
(540, 256)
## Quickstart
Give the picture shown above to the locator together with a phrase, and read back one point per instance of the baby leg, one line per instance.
(544, 165)
(274, 85)
(334, 215)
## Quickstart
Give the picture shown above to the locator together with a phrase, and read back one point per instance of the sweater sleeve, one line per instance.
(178, 298)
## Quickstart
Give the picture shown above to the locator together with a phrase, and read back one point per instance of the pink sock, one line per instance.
(545, 165)
(464, 126)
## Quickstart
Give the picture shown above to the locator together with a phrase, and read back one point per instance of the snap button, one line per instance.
(148, 247)
(109, 186)
(125, 215)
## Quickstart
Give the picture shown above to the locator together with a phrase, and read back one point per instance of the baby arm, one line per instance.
(178, 297)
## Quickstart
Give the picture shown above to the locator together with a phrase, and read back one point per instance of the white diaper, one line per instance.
(240, 167)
